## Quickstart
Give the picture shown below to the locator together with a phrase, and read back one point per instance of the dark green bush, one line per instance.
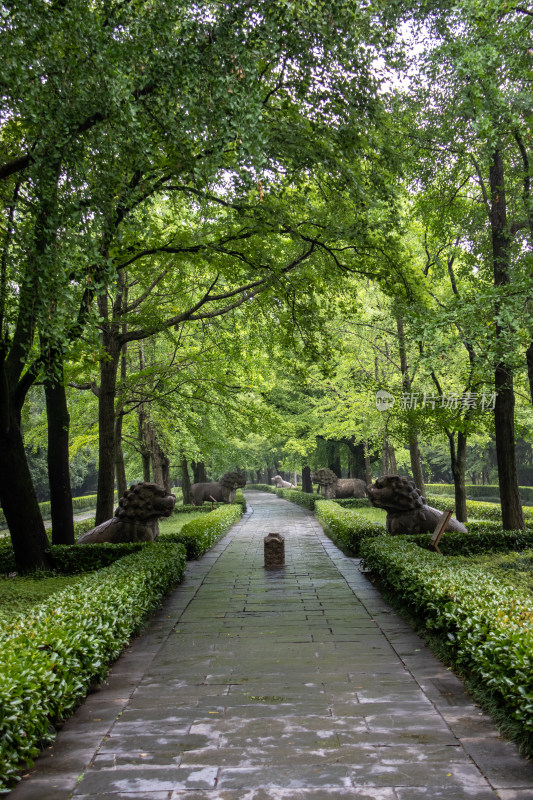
(199, 535)
(353, 502)
(260, 487)
(345, 527)
(50, 656)
(481, 538)
(300, 498)
(477, 509)
(479, 492)
(487, 625)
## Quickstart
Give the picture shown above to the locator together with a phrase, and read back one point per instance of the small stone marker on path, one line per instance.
(274, 551)
(439, 530)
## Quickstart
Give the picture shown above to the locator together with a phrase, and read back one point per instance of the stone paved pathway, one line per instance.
(298, 684)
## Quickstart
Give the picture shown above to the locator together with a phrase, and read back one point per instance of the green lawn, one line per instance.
(514, 569)
(19, 594)
(175, 523)
(373, 514)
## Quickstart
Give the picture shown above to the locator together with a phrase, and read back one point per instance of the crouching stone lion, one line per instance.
(407, 511)
(136, 517)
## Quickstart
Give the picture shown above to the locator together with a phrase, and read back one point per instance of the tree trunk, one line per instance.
(385, 457)
(165, 466)
(106, 433)
(185, 482)
(416, 464)
(58, 462)
(529, 357)
(198, 471)
(414, 452)
(368, 468)
(120, 468)
(157, 458)
(458, 465)
(512, 517)
(19, 501)
(307, 485)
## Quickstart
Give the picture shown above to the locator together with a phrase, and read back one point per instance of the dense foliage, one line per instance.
(487, 624)
(50, 655)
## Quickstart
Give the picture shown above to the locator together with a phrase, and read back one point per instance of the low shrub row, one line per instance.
(476, 509)
(51, 655)
(300, 498)
(345, 527)
(200, 534)
(479, 492)
(481, 538)
(354, 502)
(488, 626)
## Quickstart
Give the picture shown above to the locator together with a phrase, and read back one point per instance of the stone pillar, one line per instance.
(274, 551)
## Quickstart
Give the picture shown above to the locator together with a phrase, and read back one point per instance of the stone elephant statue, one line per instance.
(222, 491)
(331, 487)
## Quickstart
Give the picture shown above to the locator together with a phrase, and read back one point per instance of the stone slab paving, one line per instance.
(290, 684)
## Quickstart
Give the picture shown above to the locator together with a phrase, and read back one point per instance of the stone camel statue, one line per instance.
(136, 517)
(407, 510)
(281, 484)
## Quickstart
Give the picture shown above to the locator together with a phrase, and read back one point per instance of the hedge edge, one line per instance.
(55, 652)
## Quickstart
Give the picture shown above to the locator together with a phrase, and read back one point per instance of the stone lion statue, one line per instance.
(407, 511)
(222, 491)
(136, 517)
(331, 487)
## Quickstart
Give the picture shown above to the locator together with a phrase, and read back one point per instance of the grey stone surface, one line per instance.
(299, 684)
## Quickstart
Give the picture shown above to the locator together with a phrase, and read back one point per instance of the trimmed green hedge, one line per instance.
(476, 508)
(50, 657)
(480, 539)
(200, 534)
(260, 487)
(488, 626)
(346, 528)
(475, 491)
(354, 502)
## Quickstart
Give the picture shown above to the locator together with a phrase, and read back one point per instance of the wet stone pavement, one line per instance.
(298, 683)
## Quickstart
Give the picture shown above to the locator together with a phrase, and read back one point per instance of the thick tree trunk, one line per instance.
(58, 463)
(307, 485)
(458, 465)
(185, 482)
(512, 517)
(19, 501)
